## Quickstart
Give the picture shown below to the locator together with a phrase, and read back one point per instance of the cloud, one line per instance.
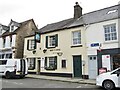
(7, 9)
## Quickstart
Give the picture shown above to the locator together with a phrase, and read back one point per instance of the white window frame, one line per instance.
(76, 40)
(31, 62)
(51, 41)
(31, 44)
(65, 63)
(51, 61)
(10, 41)
(4, 42)
(110, 33)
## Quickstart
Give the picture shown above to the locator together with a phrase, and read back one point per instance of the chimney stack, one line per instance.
(77, 11)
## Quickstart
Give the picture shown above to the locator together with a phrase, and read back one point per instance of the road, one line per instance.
(39, 83)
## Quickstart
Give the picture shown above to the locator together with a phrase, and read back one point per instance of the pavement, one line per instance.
(63, 79)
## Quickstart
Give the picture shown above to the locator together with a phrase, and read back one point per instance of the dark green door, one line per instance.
(77, 66)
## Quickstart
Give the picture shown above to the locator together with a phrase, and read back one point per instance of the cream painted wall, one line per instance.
(64, 44)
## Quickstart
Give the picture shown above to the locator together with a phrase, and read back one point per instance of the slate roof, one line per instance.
(15, 23)
(15, 31)
(88, 18)
(4, 27)
(57, 26)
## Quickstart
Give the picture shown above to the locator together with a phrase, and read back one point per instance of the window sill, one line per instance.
(49, 68)
(51, 47)
(108, 42)
(64, 68)
(31, 49)
(76, 46)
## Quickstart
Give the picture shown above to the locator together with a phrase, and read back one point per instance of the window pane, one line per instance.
(63, 63)
(31, 63)
(51, 61)
(110, 32)
(52, 41)
(76, 37)
(31, 44)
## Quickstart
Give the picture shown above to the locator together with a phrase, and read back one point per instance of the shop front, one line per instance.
(109, 59)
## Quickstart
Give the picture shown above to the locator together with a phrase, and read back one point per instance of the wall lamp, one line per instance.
(44, 51)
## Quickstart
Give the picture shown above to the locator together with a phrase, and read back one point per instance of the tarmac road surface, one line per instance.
(38, 83)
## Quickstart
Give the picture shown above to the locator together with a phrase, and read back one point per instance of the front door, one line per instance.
(77, 66)
(92, 63)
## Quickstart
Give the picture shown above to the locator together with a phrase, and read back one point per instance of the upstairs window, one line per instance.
(4, 41)
(52, 41)
(31, 45)
(10, 41)
(8, 55)
(110, 32)
(0, 31)
(76, 39)
(11, 28)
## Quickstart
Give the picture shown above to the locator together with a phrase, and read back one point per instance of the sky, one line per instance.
(46, 11)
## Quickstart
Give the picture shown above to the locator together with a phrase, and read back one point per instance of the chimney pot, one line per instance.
(76, 3)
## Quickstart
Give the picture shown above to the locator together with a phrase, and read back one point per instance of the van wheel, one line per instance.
(109, 85)
(7, 75)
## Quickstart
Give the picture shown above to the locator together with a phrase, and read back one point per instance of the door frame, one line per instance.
(89, 68)
(80, 76)
(38, 66)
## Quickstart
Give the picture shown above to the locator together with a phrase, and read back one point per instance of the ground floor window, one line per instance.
(8, 55)
(31, 63)
(63, 63)
(50, 63)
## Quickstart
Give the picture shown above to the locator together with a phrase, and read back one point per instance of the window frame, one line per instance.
(51, 41)
(110, 33)
(31, 44)
(31, 63)
(11, 41)
(78, 38)
(4, 41)
(65, 64)
(51, 63)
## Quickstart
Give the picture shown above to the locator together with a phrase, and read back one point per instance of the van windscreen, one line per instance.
(3, 62)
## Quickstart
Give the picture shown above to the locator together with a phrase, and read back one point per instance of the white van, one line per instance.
(109, 80)
(13, 67)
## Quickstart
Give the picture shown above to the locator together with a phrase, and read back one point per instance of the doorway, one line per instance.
(77, 66)
(92, 61)
(38, 66)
